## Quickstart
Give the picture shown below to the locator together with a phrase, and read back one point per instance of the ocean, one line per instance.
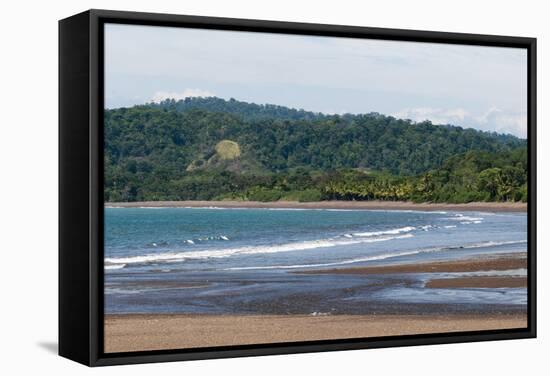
(248, 261)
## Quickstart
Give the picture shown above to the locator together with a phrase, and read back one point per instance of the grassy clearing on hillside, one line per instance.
(228, 150)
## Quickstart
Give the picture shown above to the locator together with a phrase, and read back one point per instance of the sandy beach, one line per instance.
(138, 332)
(373, 205)
(157, 332)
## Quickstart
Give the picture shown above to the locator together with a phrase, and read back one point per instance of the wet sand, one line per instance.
(157, 332)
(507, 261)
(373, 205)
(495, 263)
(478, 282)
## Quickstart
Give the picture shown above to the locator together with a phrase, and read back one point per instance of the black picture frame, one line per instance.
(81, 186)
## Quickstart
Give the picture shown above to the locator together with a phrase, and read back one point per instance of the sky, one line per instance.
(469, 86)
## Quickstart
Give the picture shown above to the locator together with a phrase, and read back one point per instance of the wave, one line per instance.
(494, 243)
(465, 218)
(385, 232)
(114, 266)
(163, 245)
(381, 256)
(206, 238)
(344, 262)
(250, 250)
(193, 241)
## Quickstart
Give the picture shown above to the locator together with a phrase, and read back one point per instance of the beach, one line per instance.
(187, 277)
(350, 205)
(158, 332)
(139, 332)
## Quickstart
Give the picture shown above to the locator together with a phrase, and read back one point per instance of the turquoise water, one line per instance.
(211, 260)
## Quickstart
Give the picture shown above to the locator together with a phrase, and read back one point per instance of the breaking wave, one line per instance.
(250, 250)
(380, 256)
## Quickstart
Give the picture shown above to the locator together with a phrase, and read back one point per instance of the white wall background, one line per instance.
(28, 188)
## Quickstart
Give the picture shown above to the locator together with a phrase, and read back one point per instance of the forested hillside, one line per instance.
(248, 111)
(209, 148)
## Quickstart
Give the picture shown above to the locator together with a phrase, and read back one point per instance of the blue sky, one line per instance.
(470, 86)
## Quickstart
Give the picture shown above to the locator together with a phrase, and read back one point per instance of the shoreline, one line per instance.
(477, 282)
(496, 262)
(344, 205)
(139, 332)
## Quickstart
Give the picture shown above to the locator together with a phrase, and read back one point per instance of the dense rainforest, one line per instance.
(215, 149)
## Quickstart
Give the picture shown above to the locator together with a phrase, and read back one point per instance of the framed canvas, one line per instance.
(234, 187)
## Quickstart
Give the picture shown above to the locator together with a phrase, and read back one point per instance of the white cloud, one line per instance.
(162, 95)
(504, 122)
(494, 119)
(455, 84)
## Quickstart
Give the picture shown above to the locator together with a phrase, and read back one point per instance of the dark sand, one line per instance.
(157, 332)
(379, 205)
(486, 263)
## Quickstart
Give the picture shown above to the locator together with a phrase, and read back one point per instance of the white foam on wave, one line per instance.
(385, 232)
(378, 257)
(464, 218)
(114, 267)
(495, 243)
(250, 250)
(344, 262)
(206, 238)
